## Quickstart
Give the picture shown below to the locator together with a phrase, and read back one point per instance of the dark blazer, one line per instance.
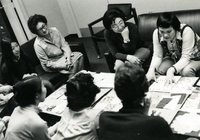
(132, 124)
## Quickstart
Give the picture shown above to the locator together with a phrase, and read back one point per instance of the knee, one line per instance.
(162, 70)
(188, 72)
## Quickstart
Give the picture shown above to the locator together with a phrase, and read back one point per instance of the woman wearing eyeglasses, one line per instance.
(123, 39)
(51, 48)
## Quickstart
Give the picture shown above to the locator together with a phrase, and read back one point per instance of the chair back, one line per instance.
(127, 9)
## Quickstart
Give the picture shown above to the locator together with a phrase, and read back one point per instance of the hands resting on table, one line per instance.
(170, 79)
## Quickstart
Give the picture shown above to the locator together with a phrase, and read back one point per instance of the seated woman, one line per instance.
(15, 65)
(131, 122)
(25, 123)
(123, 39)
(51, 48)
(79, 120)
(176, 49)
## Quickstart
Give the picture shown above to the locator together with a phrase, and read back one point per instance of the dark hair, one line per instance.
(167, 19)
(110, 15)
(7, 54)
(26, 90)
(33, 21)
(130, 82)
(81, 91)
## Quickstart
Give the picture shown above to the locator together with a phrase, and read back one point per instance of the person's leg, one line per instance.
(118, 63)
(77, 66)
(167, 62)
(81, 63)
(191, 69)
(142, 53)
(50, 88)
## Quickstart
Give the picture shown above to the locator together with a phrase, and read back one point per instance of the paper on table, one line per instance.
(184, 85)
(173, 103)
(160, 86)
(58, 93)
(109, 103)
(186, 123)
(104, 80)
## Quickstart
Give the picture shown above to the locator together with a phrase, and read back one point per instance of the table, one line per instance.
(173, 103)
(55, 103)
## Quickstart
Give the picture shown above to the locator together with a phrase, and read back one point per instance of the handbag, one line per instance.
(52, 50)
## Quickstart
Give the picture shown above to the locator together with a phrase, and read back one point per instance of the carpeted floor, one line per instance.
(97, 65)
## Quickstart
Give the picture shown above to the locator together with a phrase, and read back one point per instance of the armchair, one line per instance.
(98, 36)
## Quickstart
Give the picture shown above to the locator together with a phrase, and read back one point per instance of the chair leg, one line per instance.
(97, 49)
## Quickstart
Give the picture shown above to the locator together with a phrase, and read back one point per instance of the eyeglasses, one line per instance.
(44, 26)
(116, 26)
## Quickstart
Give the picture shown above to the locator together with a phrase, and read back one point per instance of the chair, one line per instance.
(98, 36)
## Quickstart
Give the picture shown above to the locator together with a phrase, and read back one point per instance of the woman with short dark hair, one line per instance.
(123, 39)
(14, 67)
(132, 121)
(176, 49)
(51, 48)
(79, 119)
(25, 123)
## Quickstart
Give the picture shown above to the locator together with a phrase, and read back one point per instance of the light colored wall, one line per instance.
(71, 15)
(88, 10)
(50, 9)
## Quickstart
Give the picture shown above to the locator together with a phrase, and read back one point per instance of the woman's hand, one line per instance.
(3, 123)
(170, 76)
(151, 75)
(133, 59)
(125, 35)
(6, 89)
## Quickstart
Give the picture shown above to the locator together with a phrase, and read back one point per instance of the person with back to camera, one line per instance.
(79, 120)
(131, 122)
(51, 48)
(25, 123)
(123, 39)
(176, 49)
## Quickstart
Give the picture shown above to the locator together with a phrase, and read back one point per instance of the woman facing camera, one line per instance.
(15, 65)
(123, 39)
(25, 123)
(51, 48)
(176, 49)
(79, 120)
(132, 121)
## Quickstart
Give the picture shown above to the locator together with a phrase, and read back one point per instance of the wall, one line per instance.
(73, 16)
(89, 10)
(50, 9)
